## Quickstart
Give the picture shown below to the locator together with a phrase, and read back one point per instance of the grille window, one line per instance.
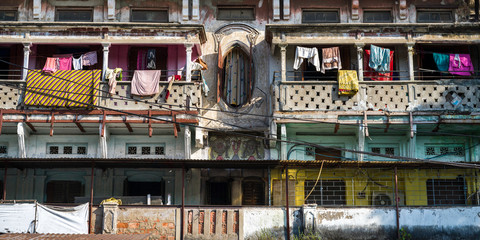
(53, 150)
(145, 149)
(67, 150)
(434, 16)
(159, 150)
(447, 150)
(6, 15)
(377, 16)
(158, 16)
(376, 150)
(236, 13)
(446, 191)
(132, 150)
(3, 149)
(71, 15)
(326, 192)
(314, 16)
(64, 191)
(82, 150)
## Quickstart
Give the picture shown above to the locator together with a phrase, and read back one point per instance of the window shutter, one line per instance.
(219, 72)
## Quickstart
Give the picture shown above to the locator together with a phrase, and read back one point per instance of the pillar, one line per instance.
(106, 47)
(411, 73)
(360, 60)
(188, 142)
(283, 145)
(188, 62)
(110, 210)
(361, 141)
(26, 58)
(103, 141)
(283, 53)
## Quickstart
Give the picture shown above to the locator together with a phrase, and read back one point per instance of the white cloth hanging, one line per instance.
(306, 53)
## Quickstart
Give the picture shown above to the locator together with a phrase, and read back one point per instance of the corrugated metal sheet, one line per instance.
(32, 236)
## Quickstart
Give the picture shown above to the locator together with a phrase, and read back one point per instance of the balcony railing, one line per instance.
(182, 96)
(437, 93)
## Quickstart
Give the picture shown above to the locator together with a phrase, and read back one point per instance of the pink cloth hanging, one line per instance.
(50, 66)
(65, 63)
(460, 64)
(145, 82)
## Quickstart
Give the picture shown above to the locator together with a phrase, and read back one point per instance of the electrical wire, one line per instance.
(258, 115)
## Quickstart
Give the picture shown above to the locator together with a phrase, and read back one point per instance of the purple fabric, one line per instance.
(89, 58)
(145, 82)
(142, 59)
(460, 64)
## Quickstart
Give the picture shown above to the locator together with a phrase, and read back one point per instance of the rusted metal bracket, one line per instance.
(437, 127)
(412, 134)
(52, 121)
(337, 126)
(150, 129)
(388, 122)
(29, 124)
(127, 125)
(102, 133)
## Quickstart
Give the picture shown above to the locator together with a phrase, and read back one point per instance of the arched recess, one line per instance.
(235, 72)
(253, 191)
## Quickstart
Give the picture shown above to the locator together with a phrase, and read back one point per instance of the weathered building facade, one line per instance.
(244, 131)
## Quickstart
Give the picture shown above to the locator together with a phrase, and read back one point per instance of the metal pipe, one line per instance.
(269, 187)
(91, 199)
(396, 203)
(286, 203)
(4, 196)
(182, 214)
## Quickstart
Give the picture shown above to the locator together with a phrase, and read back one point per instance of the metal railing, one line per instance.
(10, 74)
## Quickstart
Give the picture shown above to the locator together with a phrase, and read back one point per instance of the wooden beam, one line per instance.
(179, 120)
(127, 124)
(78, 124)
(150, 129)
(175, 131)
(52, 120)
(98, 112)
(29, 124)
(438, 124)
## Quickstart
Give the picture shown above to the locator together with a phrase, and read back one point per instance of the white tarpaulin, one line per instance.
(70, 220)
(17, 218)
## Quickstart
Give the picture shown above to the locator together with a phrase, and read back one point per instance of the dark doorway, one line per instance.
(219, 193)
(64, 191)
(144, 188)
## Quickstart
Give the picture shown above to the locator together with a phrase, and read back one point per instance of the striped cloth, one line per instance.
(65, 88)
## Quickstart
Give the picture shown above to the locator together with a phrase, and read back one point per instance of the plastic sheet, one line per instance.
(71, 220)
(17, 218)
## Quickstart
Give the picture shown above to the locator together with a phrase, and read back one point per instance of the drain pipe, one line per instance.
(396, 203)
(91, 199)
(286, 201)
(182, 214)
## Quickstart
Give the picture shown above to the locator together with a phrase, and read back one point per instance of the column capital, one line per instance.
(106, 46)
(283, 46)
(189, 46)
(27, 45)
(360, 44)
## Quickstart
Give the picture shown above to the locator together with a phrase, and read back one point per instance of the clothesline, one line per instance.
(430, 52)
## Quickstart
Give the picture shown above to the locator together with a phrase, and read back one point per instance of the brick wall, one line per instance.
(160, 222)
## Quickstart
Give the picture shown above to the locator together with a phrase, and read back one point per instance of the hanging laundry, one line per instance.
(442, 60)
(113, 75)
(201, 62)
(171, 79)
(89, 58)
(379, 59)
(460, 64)
(331, 59)
(306, 53)
(198, 67)
(373, 75)
(51, 66)
(347, 82)
(145, 82)
(77, 63)
(142, 59)
(65, 63)
(151, 59)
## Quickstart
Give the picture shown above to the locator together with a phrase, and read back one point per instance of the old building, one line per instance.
(344, 119)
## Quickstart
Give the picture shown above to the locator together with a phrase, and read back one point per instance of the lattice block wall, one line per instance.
(434, 97)
(314, 97)
(177, 99)
(393, 97)
(9, 96)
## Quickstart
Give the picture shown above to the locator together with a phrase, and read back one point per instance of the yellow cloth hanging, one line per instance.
(347, 82)
(112, 200)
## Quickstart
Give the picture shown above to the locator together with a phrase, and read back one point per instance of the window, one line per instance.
(3, 149)
(253, 192)
(237, 82)
(218, 192)
(67, 149)
(434, 16)
(64, 191)
(133, 188)
(326, 192)
(446, 151)
(145, 149)
(323, 154)
(446, 191)
(235, 13)
(320, 16)
(377, 16)
(74, 15)
(8, 15)
(388, 149)
(158, 16)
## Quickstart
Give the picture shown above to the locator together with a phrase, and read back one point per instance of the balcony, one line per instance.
(424, 93)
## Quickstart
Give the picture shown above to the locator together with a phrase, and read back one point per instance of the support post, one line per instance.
(106, 49)
(287, 207)
(4, 194)
(361, 142)
(188, 62)
(188, 142)
(26, 59)
(396, 204)
(91, 199)
(182, 214)
(360, 60)
(283, 54)
(283, 145)
(411, 50)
